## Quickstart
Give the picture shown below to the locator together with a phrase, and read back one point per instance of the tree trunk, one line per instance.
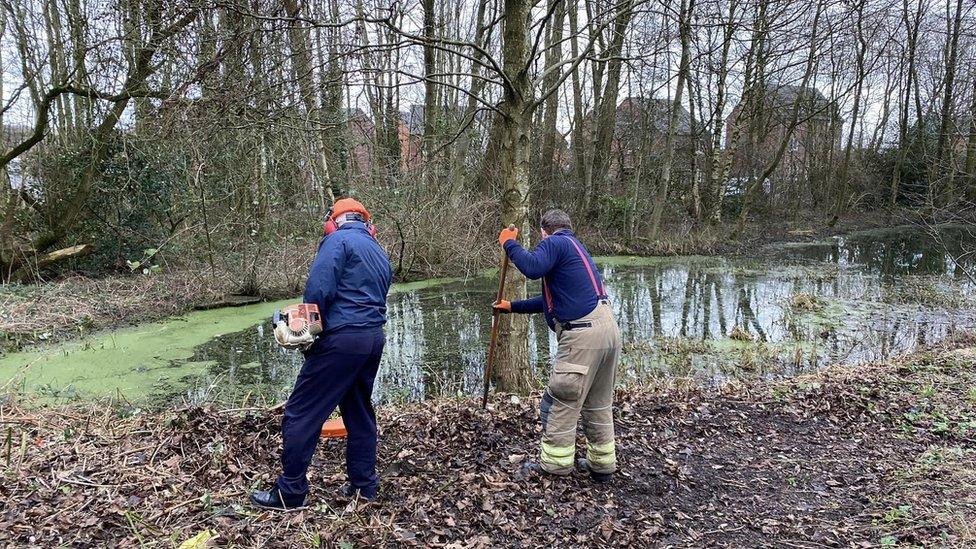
(667, 162)
(696, 204)
(716, 181)
(607, 110)
(842, 177)
(301, 63)
(79, 45)
(877, 139)
(942, 171)
(912, 38)
(513, 370)
(580, 151)
(8, 196)
(465, 153)
(547, 156)
(773, 163)
(431, 114)
(330, 94)
(971, 149)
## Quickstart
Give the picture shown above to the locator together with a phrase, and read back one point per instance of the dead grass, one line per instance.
(76, 305)
(740, 334)
(677, 241)
(806, 302)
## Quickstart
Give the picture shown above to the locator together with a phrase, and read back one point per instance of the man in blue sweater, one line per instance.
(349, 281)
(576, 307)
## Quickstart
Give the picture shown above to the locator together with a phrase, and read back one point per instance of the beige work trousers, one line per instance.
(582, 381)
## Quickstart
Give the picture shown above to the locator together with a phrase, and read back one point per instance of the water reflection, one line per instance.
(893, 252)
(874, 299)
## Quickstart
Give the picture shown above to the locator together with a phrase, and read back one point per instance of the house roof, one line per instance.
(642, 113)
(786, 95)
(352, 113)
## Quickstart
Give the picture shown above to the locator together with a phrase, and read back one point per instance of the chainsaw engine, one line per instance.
(296, 326)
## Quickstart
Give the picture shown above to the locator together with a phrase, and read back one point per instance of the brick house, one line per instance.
(810, 145)
(642, 124)
(360, 141)
(641, 128)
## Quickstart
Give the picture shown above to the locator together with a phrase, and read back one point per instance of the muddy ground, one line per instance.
(865, 456)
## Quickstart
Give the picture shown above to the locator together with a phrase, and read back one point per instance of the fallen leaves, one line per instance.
(806, 462)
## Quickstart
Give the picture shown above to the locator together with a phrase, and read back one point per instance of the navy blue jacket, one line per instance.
(349, 280)
(568, 291)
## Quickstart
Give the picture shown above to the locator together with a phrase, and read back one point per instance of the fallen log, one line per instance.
(229, 300)
(31, 269)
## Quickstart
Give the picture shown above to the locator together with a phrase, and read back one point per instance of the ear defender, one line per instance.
(330, 226)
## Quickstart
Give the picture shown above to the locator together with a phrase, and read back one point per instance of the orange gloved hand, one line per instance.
(509, 233)
(503, 306)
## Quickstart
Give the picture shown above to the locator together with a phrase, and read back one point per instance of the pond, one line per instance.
(792, 309)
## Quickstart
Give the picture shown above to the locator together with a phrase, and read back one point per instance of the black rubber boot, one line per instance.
(535, 469)
(532, 468)
(600, 478)
(348, 491)
(273, 499)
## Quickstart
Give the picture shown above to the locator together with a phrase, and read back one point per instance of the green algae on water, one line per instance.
(131, 362)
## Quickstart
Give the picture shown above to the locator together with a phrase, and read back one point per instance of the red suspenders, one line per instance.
(598, 288)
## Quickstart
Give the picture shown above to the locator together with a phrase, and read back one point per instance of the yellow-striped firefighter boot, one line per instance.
(600, 461)
(558, 460)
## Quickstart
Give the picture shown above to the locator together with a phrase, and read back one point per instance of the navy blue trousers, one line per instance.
(340, 373)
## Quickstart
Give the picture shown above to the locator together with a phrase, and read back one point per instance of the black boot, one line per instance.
(532, 468)
(274, 499)
(535, 469)
(348, 491)
(600, 478)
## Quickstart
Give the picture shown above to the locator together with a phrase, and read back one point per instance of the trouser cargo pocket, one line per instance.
(567, 380)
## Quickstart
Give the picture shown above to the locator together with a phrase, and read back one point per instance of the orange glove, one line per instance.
(510, 233)
(503, 306)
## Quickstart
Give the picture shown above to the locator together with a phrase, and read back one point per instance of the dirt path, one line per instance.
(878, 455)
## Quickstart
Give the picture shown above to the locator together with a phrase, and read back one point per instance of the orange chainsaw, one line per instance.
(296, 326)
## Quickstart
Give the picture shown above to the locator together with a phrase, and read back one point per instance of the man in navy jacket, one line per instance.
(349, 281)
(574, 302)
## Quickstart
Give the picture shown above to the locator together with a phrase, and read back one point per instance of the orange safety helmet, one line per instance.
(346, 205)
(342, 207)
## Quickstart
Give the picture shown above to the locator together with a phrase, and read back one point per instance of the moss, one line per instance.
(130, 361)
(136, 361)
(422, 284)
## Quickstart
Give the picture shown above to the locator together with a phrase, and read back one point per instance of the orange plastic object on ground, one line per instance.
(334, 428)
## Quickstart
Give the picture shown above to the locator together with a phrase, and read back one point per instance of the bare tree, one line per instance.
(664, 181)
